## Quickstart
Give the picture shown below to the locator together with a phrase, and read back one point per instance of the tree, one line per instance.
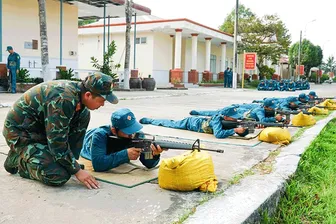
(311, 55)
(44, 40)
(267, 36)
(128, 13)
(329, 65)
(84, 22)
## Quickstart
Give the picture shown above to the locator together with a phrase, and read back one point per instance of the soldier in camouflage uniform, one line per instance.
(45, 129)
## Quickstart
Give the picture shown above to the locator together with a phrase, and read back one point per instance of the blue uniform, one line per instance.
(291, 86)
(95, 149)
(262, 85)
(13, 64)
(241, 108)
(230, 74)
(226, 78)
(211, 125)
(258, 114)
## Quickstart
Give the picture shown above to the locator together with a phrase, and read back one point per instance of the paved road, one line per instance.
(25, 201)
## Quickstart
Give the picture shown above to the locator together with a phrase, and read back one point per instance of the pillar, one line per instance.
(207, 75)
(193, 73)
(176, 74)
(221, 74)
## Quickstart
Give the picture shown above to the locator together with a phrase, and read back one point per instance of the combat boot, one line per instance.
(11, 163)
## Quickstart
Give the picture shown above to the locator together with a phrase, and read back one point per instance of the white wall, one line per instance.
(21, 24)
(162, 58)
(92, 45)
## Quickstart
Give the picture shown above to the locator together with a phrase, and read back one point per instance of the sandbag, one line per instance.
(318, 111)
(303, 120)
(187, 172)
(275, 135)
(328, 104)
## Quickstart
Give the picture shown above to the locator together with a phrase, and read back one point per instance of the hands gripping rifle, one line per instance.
(294, 112)
(145, 144)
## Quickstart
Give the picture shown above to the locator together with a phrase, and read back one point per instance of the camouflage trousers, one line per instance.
(30, 153)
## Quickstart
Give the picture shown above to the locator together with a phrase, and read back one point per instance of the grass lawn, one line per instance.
(310, 196)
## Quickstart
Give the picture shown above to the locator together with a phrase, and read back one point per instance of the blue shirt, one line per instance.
(13, 61)
(259, 115)
(217, 127)
(95, 149)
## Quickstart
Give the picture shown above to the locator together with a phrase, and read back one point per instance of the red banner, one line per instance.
(301, 69)
(250, 61)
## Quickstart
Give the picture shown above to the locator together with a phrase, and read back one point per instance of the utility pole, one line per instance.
(234, 69)
(299, 56)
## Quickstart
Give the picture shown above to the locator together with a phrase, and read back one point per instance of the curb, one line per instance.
(246, 201)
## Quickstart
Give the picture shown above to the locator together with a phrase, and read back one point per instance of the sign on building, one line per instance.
(250, 61)
(301, 69)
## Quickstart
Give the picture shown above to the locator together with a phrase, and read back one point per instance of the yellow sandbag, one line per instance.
(187, 172)
(328, 104)
(275, 135)
(303, 120)
(318, 111)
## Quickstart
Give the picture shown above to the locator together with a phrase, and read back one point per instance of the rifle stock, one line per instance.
(145, 144)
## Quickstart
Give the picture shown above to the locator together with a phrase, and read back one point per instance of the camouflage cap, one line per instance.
(101, 84)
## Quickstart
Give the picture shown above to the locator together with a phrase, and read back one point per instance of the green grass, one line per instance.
(310, 196)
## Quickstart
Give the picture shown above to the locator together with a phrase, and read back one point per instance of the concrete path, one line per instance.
(26, 201)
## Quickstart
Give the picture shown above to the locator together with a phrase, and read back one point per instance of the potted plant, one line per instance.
(177, 83)
(23, 81)
(148, 83)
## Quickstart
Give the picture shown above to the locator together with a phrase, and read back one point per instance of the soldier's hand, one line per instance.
(239, 130)
(278, 117)
(156, 150)
(133, 153)
(17, 71)
(87, 179)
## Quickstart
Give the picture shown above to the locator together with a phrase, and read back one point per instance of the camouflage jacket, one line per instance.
(47, 114)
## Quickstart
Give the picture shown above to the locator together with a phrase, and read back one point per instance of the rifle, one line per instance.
(294, 112)
(252, 124)
(116, 144)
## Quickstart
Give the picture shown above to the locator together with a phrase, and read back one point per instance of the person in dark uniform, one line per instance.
(13, 67)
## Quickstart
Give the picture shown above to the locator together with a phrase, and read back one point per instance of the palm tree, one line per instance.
(330, 65)
(128, 13)
(44, 40)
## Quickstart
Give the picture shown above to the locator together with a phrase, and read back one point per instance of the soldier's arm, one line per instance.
(218, 130)
(57, 125)
(18, 61)
(100, 160)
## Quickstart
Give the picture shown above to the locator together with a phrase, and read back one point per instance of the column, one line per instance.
(194, 51)
(207, 75)
(178, 47)
(193, 73)
(173, 50)
(207, 53)
(221, 73)
(176, 74)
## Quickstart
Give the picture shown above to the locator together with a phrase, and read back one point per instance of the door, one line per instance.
(213, 59)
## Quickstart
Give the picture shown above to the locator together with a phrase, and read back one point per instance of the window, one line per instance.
(141, 40)
(35, 44)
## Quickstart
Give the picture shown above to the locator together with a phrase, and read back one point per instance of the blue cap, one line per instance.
(312, 93)
(303, 96)
(269, 103)
(124, 120)
(231, 111)
(9, 48)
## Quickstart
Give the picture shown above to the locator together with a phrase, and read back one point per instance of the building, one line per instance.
(166, 49)
(20, 28)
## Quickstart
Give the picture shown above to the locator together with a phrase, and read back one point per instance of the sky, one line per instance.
(296, 14)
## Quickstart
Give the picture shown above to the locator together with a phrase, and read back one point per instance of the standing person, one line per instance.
(46, 126)
(226, 77)
(13, 67)
(230, 78)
